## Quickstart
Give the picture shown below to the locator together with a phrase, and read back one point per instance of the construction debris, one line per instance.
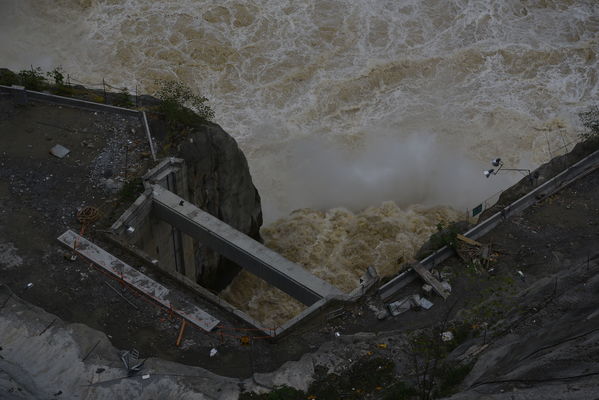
(382, 314)
(446, 286)
(430, 279)
(131, 361)
(468, 240)
(425, 303)
(405, 304)
(401, 306)
(447, 336)
(59, 151)
(473, 252)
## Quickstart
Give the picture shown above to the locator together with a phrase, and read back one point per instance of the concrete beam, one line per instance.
(240, 248)
(140, 282)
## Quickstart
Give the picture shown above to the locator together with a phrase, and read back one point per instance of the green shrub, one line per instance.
(33, 79)
(123, 98)
(449, 378)
(278, 393)
(57, 76)
(131, 190)
(9, 78)
(445, 236)
(590, 120)
(180, 104)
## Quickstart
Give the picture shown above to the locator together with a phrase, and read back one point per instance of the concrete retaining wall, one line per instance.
(22, 96)
(576, 171)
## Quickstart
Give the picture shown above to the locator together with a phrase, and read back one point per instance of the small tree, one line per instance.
(33, 79)
(180, 103)
(57, 74)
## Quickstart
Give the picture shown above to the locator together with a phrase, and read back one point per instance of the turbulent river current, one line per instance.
(373, 119)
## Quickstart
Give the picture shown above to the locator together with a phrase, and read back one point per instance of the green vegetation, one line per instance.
(450, 377)
(57, 75)
(33, 79)
(180, 104)
(435, 376)
(278, 393)
(590, 120)
(8, 78)
(368, 378)
(445, 236)
(123, 98)
(54, 82)
(131, 190)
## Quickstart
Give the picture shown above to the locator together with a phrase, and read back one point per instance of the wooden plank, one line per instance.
(137, 280)
(468, 240)
(430, 279)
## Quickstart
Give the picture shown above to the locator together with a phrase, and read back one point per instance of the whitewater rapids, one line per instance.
(390, 109)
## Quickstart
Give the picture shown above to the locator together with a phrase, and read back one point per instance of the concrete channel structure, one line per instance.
(161, 225)
(170, 249)
(140, 282)
(240, 248)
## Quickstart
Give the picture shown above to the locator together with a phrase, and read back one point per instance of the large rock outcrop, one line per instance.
(219, 182)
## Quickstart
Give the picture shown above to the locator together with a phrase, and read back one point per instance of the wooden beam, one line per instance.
(468, 240)
(430, 279)
(181, 331)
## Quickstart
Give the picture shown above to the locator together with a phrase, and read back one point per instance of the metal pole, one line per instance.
(126, 159)
(181, 331)
(104, 87)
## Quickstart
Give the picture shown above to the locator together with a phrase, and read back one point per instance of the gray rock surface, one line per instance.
(549, 352)
(73, 361)
(40, 356)
(219, 183)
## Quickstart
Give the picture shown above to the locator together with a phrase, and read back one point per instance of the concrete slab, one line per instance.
(137, 280)
(240, 248)
(59, 151)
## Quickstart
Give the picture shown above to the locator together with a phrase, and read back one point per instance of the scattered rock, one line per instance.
(382, 314)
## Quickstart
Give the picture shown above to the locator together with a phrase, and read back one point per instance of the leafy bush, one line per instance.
(279, 393)
(131, 190)
(8, 78)
(180, 104)
(57, 76)
(123, 98)
(449, 378)
(33, 79)
(445, 236)
(590, 120)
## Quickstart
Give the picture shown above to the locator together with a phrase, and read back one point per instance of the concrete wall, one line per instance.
(576, 171)
(172, 249)
(22, 96)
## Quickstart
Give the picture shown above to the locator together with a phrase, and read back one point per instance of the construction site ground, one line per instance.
(40, 195)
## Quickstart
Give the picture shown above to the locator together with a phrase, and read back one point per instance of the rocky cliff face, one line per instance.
(220, 183)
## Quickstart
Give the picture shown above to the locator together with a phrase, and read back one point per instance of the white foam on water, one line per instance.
(344, 103)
